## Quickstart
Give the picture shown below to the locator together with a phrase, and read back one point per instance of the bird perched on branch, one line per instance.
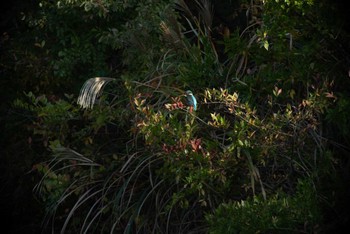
(191, 100)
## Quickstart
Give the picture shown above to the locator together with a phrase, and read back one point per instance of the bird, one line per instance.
(191, 100)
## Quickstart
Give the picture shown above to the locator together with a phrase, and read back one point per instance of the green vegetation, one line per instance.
(122, 152)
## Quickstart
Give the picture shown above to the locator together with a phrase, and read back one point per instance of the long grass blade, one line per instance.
(91, 89)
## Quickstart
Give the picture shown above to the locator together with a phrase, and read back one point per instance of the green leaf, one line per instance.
(266, 45)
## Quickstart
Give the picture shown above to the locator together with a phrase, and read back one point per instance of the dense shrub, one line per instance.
(132, 155)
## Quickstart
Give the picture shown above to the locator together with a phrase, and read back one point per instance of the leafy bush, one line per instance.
(280, 213)
(133, 156)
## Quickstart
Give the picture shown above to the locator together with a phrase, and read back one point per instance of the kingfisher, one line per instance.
(191, 100)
